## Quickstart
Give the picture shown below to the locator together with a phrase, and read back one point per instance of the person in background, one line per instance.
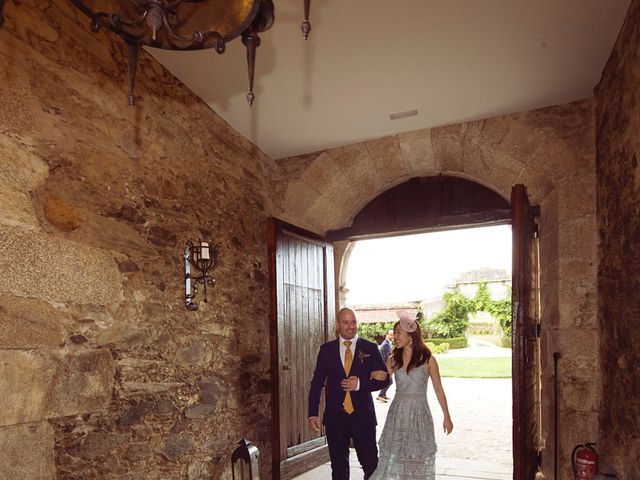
(385, 352)
(350, 368)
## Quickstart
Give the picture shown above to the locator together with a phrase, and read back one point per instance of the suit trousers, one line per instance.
(340, 429)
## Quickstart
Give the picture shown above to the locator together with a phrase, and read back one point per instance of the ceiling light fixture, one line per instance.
(183, 25)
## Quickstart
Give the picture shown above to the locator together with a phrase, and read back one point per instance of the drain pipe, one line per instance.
(556, 357)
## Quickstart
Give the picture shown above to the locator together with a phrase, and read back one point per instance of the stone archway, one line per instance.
(551, 151)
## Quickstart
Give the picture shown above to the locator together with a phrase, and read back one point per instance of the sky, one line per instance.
(418, 267)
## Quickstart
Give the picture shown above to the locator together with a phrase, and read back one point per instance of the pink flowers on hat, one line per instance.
(408, 321)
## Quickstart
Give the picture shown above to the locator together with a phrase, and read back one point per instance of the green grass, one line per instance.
(475, 367)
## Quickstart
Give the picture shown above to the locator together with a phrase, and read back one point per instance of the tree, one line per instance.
(501, 311)
(371, 330)
(452, 321)
(482, 300)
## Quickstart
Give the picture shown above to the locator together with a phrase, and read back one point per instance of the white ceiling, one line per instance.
(452, 60)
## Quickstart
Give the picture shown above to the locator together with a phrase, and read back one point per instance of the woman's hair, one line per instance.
(420, 353)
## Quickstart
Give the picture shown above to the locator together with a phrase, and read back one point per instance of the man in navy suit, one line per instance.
(385, 352)
(345, 367)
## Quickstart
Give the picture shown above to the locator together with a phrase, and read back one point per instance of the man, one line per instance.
(347, 367)
(385, 352)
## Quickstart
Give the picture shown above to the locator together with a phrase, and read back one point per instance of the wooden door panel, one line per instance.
(301, 273)
(525, 315)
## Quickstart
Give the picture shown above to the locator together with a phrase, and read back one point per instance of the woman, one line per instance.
(407, 445)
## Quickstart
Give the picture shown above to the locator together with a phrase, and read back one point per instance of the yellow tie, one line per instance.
(348, 360)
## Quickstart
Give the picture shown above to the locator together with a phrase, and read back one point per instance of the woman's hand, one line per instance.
(379, 375)
(447, 425)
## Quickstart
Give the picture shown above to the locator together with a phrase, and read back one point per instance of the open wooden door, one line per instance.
(525, 317)
(302, 311)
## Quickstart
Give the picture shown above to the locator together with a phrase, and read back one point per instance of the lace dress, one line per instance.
(407, 444)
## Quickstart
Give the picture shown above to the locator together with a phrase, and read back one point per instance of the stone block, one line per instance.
(321, 173)
(322, 215)
(417, 152)
(29, 323)
(38, 385)
(578, 239)
(577, 198)
(47, 267)
(298, 198)
(20, 112)
(27, 452)
(386, 160)
(447, 147)
(198, 353)
(61, 214)
(111, 234)
(579, 347)
(21, 171)
(491, 167)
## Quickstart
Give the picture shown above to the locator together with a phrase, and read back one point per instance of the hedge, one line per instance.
(460, 342)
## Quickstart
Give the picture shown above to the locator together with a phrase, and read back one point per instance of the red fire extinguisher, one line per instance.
(584, 460)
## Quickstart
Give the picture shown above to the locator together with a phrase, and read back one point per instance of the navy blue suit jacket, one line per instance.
(385, 350)
(329, 372)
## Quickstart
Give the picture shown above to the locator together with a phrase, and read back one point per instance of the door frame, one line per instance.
(274, 228)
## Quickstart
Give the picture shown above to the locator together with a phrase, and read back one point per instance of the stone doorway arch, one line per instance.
(552, 152)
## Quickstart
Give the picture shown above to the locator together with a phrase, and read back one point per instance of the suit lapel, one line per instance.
(356, 357)
(337, 355)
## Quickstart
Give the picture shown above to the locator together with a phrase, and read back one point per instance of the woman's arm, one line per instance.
(434, 373)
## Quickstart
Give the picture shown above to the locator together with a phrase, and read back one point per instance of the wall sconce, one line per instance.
(244, 461)
(202, 257)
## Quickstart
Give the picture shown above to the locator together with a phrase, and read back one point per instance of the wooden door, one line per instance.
(525, 317)
(302, 312)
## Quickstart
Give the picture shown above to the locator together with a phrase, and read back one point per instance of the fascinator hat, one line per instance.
(408, 321)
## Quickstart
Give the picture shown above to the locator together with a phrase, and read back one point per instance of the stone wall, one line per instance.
(618, 130)
(551, 151)
(103, 372)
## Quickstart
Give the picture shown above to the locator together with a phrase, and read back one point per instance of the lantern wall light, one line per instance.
(245, 461)
(183, 25)
(203, 258)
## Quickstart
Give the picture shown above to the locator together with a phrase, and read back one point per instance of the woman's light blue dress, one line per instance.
(407, 444)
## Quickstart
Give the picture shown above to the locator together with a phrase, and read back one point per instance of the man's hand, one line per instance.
(350, 384)
(314, 424)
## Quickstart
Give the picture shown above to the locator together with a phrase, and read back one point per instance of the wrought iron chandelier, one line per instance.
(184, 25)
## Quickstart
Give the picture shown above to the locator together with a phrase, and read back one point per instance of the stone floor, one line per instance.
(479, 448)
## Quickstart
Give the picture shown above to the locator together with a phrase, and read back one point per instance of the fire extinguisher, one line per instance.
(584, 460)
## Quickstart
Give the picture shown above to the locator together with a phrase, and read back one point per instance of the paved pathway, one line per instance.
(479, 447)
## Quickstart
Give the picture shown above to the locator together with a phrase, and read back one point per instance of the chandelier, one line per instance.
(184, 25)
